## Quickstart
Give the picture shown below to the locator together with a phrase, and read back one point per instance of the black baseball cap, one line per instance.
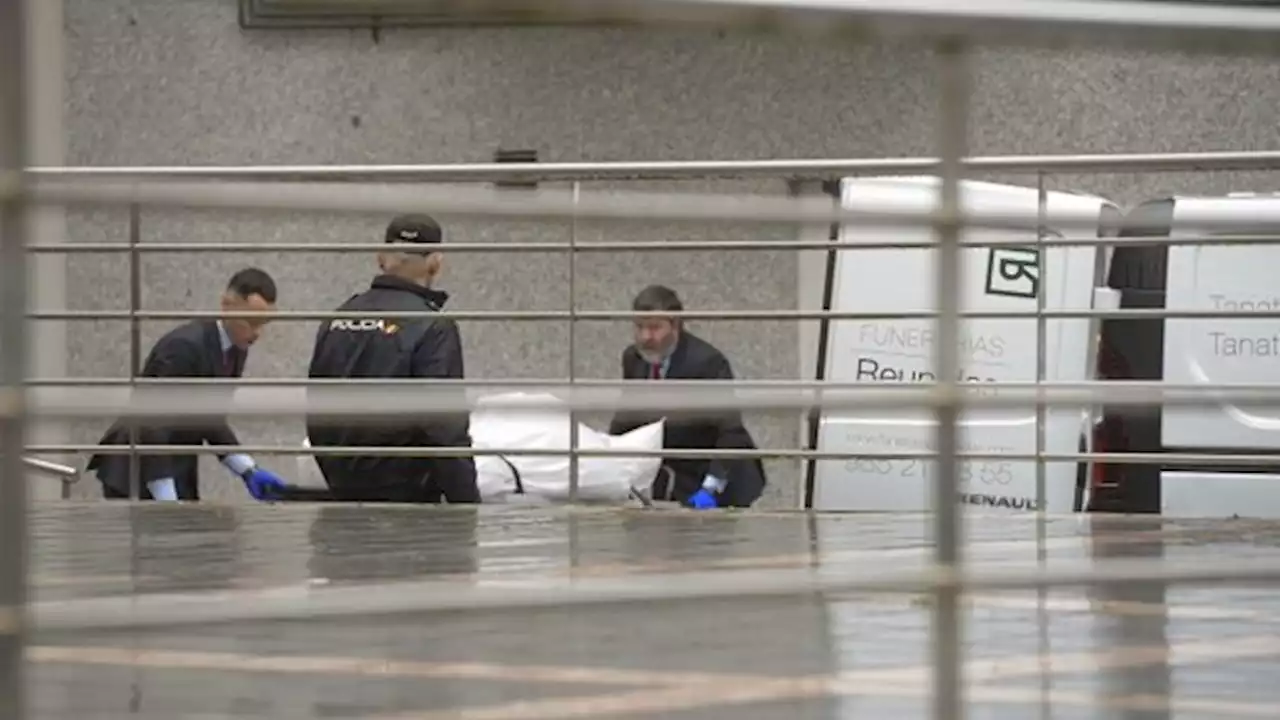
(421, 229)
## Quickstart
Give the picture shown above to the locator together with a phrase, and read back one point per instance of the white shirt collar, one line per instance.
(224, 337)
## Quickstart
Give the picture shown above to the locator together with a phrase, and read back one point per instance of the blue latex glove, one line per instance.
(163, 490)
(263, 484)
(704, 499)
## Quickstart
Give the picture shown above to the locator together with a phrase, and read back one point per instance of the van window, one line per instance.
(1143, 267)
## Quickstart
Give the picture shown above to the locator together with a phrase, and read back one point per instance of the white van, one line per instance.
(1187, 351)
(1006, 278)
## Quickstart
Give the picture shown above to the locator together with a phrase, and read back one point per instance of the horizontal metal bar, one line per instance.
(178, 403)
(361, 248)
(658, 246)
(1116, 24)
(1178, 27)
(688, 169)
(385, 199)
(299, 315)
(500, 384)
(670, 453)
(490, 385)
(62, 471)
(616, 315)
(674, 388)
(255, 16)
(306, 601)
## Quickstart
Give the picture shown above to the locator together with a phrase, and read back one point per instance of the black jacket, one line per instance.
(697, 359)
(376, 347)
(191, 350)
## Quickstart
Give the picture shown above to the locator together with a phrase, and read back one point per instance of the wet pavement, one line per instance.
(1140, 651)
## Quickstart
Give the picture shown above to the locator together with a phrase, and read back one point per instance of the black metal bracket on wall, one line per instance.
(519, 157)
(378, 14)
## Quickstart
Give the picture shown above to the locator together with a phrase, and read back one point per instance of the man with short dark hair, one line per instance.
(196, 349)
(374, 346)
(664, 349)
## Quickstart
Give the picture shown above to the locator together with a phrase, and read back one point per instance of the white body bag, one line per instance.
(545, 478)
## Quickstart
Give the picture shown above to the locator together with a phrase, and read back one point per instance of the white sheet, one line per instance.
(545, 478)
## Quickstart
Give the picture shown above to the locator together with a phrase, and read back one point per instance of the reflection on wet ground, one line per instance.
(1137, 651)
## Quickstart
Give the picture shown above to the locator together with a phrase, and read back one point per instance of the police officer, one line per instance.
(376, 347)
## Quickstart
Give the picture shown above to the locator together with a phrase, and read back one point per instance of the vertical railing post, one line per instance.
(1042, 327)
(573, 375)
(1042, 333)
(135, 341)
(13, 357)
(135, 366)
(1042, 342)
(953, 121)
(573, 344)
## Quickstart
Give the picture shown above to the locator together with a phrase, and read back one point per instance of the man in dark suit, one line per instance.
(663, 349)
(196, 349)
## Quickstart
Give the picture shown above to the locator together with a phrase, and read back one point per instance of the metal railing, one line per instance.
(952, 27)
(793, 169)
(131, 184)
(56, 469)
(1009, 22)
(196, 399)
(110, 397)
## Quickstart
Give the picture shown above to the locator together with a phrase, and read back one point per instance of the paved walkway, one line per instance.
(1140, 651)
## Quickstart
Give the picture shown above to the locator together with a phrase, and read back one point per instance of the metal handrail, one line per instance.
(402, 383)
(669, 391)
(657, 246)
(1153, 458)
(543, 204)
(828, 169)
(617, 315)
(195, 404)
(533, 385)
(62, 471)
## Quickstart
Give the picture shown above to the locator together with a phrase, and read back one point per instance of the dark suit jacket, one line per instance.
(697, 359)
(191, 350)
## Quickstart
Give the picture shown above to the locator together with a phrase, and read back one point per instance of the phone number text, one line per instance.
(987, 472)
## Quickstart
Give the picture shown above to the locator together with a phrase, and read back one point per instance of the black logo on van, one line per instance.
(1013, 272)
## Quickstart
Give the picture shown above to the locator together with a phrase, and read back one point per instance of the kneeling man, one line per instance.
(662, 350)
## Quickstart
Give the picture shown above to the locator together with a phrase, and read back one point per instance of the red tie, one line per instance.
(228, 361)
(655, 371)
